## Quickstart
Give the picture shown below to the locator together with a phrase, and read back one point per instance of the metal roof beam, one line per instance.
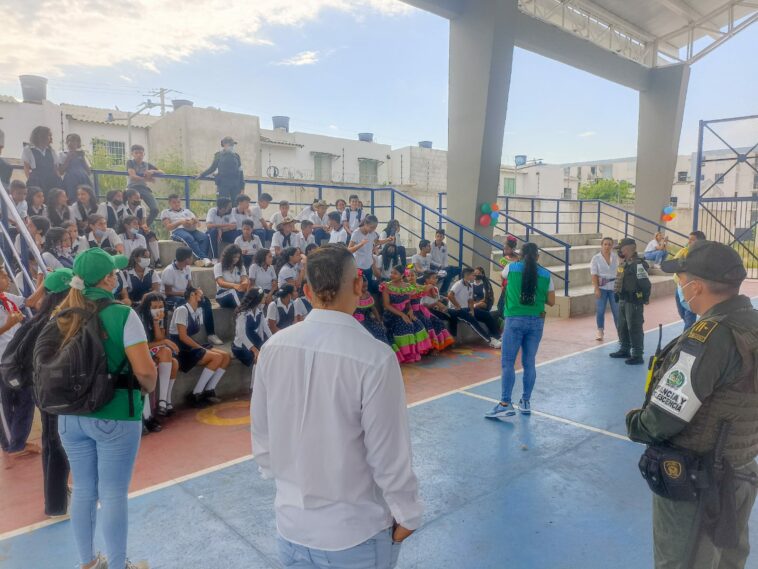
(445, 8)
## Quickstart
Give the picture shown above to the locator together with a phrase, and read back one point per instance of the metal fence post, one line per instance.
(186, 193)
(599, 205)
(566, 265)
(260, 190)
(581, 204)
(532, 217)
(626, 224)
(557, 217)
(460, 247)
(392, 203)
(96, 183)
(320, 193)
(439, 204)
(698, 175)
(423, 223)
(371, 193)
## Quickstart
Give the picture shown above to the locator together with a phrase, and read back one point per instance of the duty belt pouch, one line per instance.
(721, 510)
(670, 473)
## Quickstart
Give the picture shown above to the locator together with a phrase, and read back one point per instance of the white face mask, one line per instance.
(144, 262)
(156, 313)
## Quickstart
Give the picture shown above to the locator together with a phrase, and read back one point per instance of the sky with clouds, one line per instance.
(336, 67)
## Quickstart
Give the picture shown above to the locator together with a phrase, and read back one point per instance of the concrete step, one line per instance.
(573, 239)
(581, 254)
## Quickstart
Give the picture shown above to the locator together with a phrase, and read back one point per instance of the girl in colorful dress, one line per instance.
(367, 314)
(408, 337)
(439, 337)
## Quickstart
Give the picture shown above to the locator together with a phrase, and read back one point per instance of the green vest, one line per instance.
(513, 305)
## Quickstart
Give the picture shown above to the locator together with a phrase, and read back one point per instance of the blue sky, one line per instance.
(384, 72)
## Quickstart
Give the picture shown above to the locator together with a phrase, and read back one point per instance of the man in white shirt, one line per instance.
(422, 262)
(182, 225)
(320, 221)
(220, 225)
(342, 466)
(352, 216)
(440, 261)
(262, 227)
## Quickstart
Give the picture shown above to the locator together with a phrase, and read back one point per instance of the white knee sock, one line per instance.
(155, 251)
(252, 376)
(205, 377)
(171, 383)
(146, 409)
(164, 375)
(216, 378)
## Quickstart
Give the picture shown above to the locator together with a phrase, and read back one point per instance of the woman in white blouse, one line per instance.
(603, 269)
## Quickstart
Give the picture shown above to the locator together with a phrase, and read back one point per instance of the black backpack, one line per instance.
(73, 379)
(17, 362)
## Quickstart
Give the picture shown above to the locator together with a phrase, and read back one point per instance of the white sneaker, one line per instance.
(100, 562)
(199, 263)
(138, 565)
(599, 335)
(213, 339)
(494, 343)
(207, 263)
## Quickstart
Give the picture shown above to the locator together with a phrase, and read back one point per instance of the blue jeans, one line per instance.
(687, 316)
(656, 256)
(101, 453)
(379, 552)
(524, 332)
(609, 297)
(264, 235)
(195, 240)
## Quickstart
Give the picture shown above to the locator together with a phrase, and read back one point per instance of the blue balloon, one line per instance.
(668, 209)
(494, 215)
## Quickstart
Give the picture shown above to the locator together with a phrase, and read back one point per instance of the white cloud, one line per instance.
(302, 58)
(150, 32)
(333, 127)
(126, 78)
(587, 134)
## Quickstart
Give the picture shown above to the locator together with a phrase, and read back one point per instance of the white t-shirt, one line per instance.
(182, 316)
(651, 246)
(134, 331)
(256, 214)
(278, 240)
(155, 280)
(214, 218)
(277, 218)
(301, 242)
(110, 236)
(351, 216)
(421, 263)
(288, 273)
(439, 255)
(239, 216)
(462, 293)
(8, 334)
(323, 221)
(51, 261)
(605, 272)
(263, 278)
(131, 243)
(364, 257)
(338, 236)
(233, 276)
(249, 247)
(174, 216)
(102, 209)
(300, 309)
(176, 278)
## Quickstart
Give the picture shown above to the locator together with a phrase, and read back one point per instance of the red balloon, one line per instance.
(495, 207)
(484, 221)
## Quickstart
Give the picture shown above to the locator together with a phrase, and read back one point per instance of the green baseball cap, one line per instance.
(59, 280)
(94, 264)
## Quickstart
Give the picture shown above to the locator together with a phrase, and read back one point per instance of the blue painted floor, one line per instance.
(527, 493)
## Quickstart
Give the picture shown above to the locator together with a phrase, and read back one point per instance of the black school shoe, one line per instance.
(635, 361)
(197, 401)
(210, 396)
(152, 425)
(620, 354)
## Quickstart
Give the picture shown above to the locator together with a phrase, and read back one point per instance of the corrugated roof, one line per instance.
(100, 116)
(267, 140)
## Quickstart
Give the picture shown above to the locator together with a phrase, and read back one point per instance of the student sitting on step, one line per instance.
(84, 206)
(187, 321)
(231, 278)
(100, 235)
(221, 226)
(263, 275)
(290, 267)
(262, 226)
(140, 278)
(281, 312)
(249, 330)
(133, 207)
(130, 235)
(248, 242)
(182, 224)
(305, 237)
(174, 282)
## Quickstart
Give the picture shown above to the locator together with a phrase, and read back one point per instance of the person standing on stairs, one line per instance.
(603, 269)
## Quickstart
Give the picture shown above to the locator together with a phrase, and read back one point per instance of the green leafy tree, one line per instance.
(607, 190)
(101, 159)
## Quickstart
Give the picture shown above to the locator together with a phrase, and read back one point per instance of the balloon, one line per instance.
(495, 207)
(672, 215)
(486, 208)
(668, 209)
(495, 215)
(493, 223)
(668, 218)
(484, 221)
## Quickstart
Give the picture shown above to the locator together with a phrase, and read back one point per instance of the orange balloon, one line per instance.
(495, 207)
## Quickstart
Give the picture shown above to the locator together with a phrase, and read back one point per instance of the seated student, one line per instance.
(140, 278)
(320, 219)
(365, 237)
(221, 226)
(242, 210)
(408, 337)
(133, 207)
(305, 238)
(307, 211)
(57, 251)
(290, 267)
(435, 303)
(263, 275)
(367, 314)
(58, 210)
(351, 218)
(337, 233)
(262, 227)
(461, 297)
(84, 206)
(18, 195)
(248, 243)
(187, 321)
(392, 230)
(281, 312)
(484, 296)
(175, 279)
(285, 236)
(439, 336)
(284, 212)
(114, 208)
(422, 262)
(152, 312)
(249, 330)
(35, 202)
(23, 286)
(38, 227)
(71, 228)
(130, 235)
(388, 258)
(100, 235)
(340, 205)
(440, 261)
(231, 278)
(182, 225)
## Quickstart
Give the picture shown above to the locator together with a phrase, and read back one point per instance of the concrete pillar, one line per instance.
(660, 125)
(481, 55)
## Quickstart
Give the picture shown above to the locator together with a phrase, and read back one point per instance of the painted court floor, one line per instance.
(559, 489)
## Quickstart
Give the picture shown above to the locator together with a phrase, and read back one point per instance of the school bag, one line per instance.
(73, 378)
(16, 365)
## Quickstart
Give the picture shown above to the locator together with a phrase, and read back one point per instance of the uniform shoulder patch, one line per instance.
(701, 330)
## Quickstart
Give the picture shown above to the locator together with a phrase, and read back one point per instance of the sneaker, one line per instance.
(495, 343)
(100, 562)
(525, 407)
(635, 361)
(620, 354)
(210, 396)
(499, 411)
(138, 565)
(215, 340)
(599, 335)
(207, 263)
(199, 263)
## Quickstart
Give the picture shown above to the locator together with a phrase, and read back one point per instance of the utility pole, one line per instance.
(162, 94)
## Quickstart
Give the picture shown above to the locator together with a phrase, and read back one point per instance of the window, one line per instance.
(681, 176)
(566, 193)
(322, 167)
(108, 153)
(509, 186)
(566, 171)
(593, 170)
(719, 178)
(674, 201)
(368, 171)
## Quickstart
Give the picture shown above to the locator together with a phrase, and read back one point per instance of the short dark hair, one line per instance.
(41, 223)
(306, 223)
(440, 232)
(183, 253)
(335, 216)
(243, 198)
(92, 219)
(18, 185)
(423, 243)
(353, 197)
(325, 271)
(130, 192)
(284, 202)
(189, 291)
(174, 197)
(607, 239)
(698, 235)
(112, 194)
(264, 197)
(465, 271)
(136, 147)
(248, 223)
(223, 201)
(260, 256)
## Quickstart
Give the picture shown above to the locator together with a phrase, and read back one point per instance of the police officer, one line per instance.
(230, 180)
(632, 288)
(702, 401)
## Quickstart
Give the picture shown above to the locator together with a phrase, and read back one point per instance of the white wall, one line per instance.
(19, 119)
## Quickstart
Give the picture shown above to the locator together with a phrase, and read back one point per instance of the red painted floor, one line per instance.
(193, 441)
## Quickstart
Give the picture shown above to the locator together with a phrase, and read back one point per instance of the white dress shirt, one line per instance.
(606, 272)
(330, 425)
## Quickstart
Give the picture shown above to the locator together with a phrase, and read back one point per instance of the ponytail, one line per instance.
(529, 254)
(71, 323)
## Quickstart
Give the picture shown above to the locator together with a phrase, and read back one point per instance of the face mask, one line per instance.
(680, 292)
(144, 262)
(156, 313)
(99, 233)
(64, 251)
(117, 203)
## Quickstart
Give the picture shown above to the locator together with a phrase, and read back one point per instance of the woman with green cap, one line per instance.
(102, 446)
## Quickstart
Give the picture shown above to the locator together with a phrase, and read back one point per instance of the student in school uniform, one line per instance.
(440, 263)
(291, 267)
(140, 278)
(130, 235)
(305, 238)
(461, 297)
(337, 233)
(281, 312)
(187, 321)
(307, 211)
(152, 313)
(283, 213)
(57, 251)
(352, 217)
(366, 238)
(100, 235)
(35, 202)
(58, 210)
(38, 227)
(422, 262)
(242, 210)
(248, 242)
(41, 162)
(181, 223)
(262, 226)
(262, 274)
(393, 230)
(84, 206)
(388, 258)
(436, 304)
(18, 193)
(231, 278)
(78, 242)
(133, 207)
(114, 206)
(221, 226)
(320, 220)
(340, 205)
(175, 279)
(285, 236)
(74, 166)
(249, 330)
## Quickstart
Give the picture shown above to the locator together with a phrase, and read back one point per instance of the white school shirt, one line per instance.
(181, 316)
(214, 218)
(249, 247)
(439, 255)
(278, 241)
(51, 261)
(273, 312)
(351, 216)
(304, 214)
(301, 243)
(323, 221)
(330, 425)
(233, 276)
(174, 216)
(605, 272)
(421, 263)
(338, 236)
(300, 309)
(6, 336)
(23, 209)
(288, 272)
(239, 217)
(102, 209)
(462, 293)
(241, 339)
(176, 278)
(263, 278)
(155, 280)
(364, 257)
(277, 218)
(383, 235)
(131, 243)
(379, 264)
(110, 236)
(256, 214)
